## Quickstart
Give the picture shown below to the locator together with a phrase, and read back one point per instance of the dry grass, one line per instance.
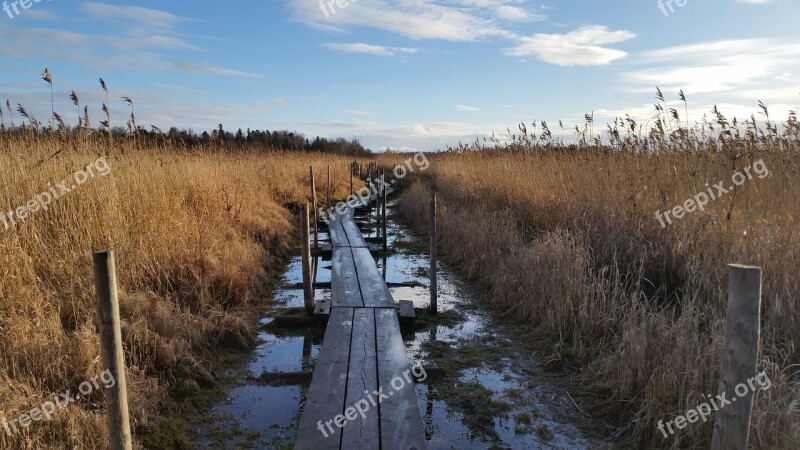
(567, 241)
(197, 237)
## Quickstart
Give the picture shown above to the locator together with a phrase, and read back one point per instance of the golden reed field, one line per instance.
(198, 236)
(566, 242)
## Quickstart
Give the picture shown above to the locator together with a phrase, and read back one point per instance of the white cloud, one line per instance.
(720, 66)
(582, 47)
(516, 14)
(427, 131)
(464, 108)
(369, 49)
(454, 20)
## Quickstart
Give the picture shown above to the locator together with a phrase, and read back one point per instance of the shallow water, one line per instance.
(260, 416)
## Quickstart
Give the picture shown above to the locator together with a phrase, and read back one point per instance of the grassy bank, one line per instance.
(567, 241)
(198, 236)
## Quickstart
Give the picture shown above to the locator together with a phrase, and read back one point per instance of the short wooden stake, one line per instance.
(740, 359)
(433, 268)
(308, 281)
(105, 279)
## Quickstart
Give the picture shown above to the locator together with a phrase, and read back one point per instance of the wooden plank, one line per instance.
(337, 234)
(373, 288)
(401, 422)
(740, 359)
(362, 379)
(344, 280)
(326, 394)
(354, 235)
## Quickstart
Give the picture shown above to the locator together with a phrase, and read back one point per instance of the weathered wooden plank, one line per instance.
(361, 431)
(344, 280)
(337, 233)
(326, 394)
(373, 288)
(354, 235)
(401, 422)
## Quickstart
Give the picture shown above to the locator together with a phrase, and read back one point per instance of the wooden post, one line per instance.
(328, 198)
(105, 279)
(377, 208)
(314, 205)
(308, 286)
(385, 238)
(433, 269)
(739, 361)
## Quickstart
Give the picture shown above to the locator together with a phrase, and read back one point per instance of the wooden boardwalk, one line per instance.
(362, 357)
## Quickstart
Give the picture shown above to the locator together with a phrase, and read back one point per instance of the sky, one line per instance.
(404, 74)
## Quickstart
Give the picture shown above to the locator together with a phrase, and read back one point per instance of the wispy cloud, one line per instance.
(207, 67)
(369, 49)
(354, 112)
(514, 13)
(134, 14)
(464, 108)
(137, 44)
(455, 20)
(718, 66)
(38, 14)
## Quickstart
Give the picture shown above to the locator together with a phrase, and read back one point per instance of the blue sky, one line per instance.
(406, 74)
